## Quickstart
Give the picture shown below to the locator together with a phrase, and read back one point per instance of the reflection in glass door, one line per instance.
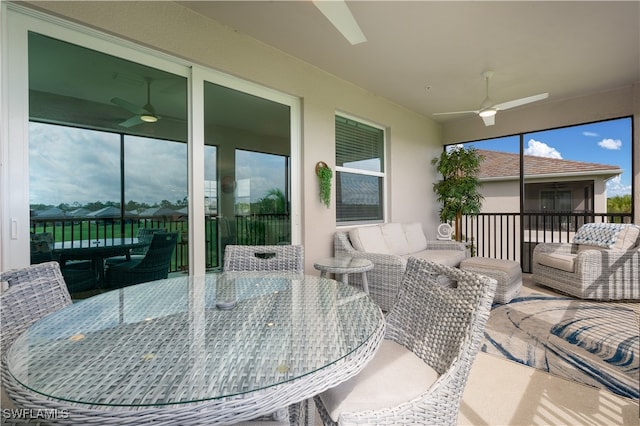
(251, 174)
(108, 155)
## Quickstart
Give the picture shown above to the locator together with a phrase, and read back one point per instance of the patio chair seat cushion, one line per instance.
(394, 375)
(563, 261)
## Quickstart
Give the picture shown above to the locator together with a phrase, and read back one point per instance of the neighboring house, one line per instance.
(559, 196)
(550, 185)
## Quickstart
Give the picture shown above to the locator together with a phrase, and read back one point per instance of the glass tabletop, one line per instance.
(192, 339)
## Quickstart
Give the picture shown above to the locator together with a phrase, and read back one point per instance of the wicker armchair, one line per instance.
(419, 373)
(153, 266)
(286, 258)
(144, 235)
(601, 274)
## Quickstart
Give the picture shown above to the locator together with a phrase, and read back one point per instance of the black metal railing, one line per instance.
(253, 229)
(513, 236)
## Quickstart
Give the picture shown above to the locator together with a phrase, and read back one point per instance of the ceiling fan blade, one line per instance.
(456, 112)
(489, 121)
(132, 108)
(338, 13)
(133, 121)
(522, 101)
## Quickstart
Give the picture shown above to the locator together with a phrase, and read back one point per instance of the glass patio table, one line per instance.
(218, 349)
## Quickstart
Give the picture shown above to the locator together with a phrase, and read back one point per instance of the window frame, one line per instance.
(383, 174)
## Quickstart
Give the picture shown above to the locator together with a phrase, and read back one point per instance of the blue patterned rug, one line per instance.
(595, 343)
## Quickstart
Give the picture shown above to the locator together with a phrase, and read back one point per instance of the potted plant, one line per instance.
(325, 174)
(458, 190)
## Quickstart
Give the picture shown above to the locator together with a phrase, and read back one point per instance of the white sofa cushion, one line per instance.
(627, 237)
(395, 238)
(393, 376)
(369, 239)
(415, 237)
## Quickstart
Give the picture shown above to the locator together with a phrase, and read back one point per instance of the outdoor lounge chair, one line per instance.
(419, 373)
(603, 263)
(153, 266)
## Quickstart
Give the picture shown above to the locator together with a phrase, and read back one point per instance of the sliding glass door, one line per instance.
(252, 177)
(108, 138)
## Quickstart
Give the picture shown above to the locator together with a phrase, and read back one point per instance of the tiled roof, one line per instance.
(498, 164)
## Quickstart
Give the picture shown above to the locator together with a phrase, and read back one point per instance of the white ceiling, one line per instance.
(428, 56)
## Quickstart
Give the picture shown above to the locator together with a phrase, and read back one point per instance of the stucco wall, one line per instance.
(412, 139)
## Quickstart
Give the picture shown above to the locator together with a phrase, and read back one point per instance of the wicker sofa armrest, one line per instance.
(385, 277)
(608, 259)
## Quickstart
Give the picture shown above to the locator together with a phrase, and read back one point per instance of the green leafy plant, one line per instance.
(458, 190)
(325, 174)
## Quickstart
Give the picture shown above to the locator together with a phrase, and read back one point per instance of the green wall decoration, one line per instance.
(325, 174)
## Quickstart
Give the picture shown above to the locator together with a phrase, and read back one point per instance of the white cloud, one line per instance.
(615, 187)
(614, 144)
(541, 149)
(590, 134)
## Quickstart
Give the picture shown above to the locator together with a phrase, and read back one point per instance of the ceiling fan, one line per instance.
(488, 109)
(144, 114)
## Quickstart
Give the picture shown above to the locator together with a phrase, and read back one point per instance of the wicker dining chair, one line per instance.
(153, 266)
(144, 235)
(32, 293)
(418, 375)
(286, 258)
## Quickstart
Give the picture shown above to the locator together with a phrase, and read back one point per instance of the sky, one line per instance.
(75, 166)
(69, 165)
(606, 142)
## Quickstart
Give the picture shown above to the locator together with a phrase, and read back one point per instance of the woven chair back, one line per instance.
(285, 258)
(34, 291)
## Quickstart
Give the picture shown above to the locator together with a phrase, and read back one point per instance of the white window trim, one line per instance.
(383, 175)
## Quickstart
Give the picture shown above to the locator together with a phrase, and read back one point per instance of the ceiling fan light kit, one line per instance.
(145, 114)
(488, 109)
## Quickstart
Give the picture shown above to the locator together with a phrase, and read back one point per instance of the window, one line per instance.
(359, 172)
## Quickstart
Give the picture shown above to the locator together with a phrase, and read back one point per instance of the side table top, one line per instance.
(343, 264)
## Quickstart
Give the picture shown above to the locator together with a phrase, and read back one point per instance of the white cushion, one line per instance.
(627, 237)
(368, 239)
(394, 375)
(415, 237)
(395, 239)
(564, 262)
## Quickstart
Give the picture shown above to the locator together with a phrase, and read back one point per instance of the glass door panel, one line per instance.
(107, 150)
(251, 174)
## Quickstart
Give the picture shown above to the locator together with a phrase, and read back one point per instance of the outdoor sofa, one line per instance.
(388, 246)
